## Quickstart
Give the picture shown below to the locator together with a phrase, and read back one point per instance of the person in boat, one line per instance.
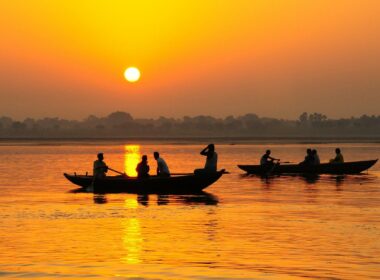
(100, 167)
(142, 168)
(267, 160)
(162, 167)
(309, 158)
(211, 164)
(315, 155)
(338, 157)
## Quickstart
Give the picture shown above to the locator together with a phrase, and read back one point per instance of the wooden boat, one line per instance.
(186, 184)
(353, 167)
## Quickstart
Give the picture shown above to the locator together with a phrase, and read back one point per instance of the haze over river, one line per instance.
(243, 227)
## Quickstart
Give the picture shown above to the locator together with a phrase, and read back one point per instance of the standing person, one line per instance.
(142, 168)
(100, 167)
(315, 155)
(162, 167)
(338, 157)
(211, 158)
(267, 160)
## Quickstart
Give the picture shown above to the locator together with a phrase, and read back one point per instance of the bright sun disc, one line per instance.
(132, 74)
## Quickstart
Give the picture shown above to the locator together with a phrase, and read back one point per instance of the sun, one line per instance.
(132, 74)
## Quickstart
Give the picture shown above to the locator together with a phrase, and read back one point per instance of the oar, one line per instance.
(121, 173)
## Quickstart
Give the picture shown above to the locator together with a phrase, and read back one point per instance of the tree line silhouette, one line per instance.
(122, 124)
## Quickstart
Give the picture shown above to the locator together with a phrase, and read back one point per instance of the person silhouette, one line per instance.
(142, 168)
(338, 157)
(267, 160)
(211, 164)
(317, 161)
(100, 167)
(162, 167)
(309, 158)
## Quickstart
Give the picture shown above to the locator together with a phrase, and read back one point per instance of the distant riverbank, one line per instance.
(187, 140)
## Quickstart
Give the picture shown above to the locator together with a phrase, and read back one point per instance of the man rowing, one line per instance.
(100, 167)
(267, 160)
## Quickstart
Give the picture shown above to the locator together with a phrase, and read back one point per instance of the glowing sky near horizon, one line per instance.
(275, 58)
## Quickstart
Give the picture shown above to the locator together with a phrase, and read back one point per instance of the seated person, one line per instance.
(267, 160)
(309, 158)
(316, 157)
(211, 164)
(338, 157)
(142, 168)
(162, 167)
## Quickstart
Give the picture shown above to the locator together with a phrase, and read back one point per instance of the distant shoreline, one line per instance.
(186, 140)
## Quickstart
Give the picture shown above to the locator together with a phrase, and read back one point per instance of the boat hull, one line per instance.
(353, 167)
(187, 184)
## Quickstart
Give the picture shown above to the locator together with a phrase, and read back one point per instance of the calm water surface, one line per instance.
(244, 227)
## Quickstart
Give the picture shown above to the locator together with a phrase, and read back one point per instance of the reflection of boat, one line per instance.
(192, 183)
(310, 178)
(201, 198)
(353, 167)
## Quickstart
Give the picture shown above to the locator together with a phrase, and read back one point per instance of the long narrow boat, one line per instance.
(353, 167)
(187, 184)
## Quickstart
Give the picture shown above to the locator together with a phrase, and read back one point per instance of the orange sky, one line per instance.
(66, 58)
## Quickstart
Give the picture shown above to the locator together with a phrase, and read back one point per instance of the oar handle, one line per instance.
(109, 168)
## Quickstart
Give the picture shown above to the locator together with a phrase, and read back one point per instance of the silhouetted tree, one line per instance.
(118, 118)
(121, 124)
(304, 117)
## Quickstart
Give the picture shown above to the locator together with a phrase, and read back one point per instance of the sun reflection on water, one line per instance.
(131, 203)
(132, 241)
(131, 159)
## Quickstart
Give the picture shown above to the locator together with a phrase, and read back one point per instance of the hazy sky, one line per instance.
(66, 58)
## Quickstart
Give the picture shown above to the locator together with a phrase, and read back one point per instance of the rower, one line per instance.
(338, 157)
(267, 160)
(162, 167)
(142, 168)
(100, 167)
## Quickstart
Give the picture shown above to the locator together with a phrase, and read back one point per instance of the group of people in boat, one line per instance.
(162, 170)
(311, 158)
(142, 168)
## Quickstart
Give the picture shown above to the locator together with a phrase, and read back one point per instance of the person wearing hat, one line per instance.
(100, 167)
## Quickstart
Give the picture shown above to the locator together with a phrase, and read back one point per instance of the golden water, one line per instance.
(244, 227)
